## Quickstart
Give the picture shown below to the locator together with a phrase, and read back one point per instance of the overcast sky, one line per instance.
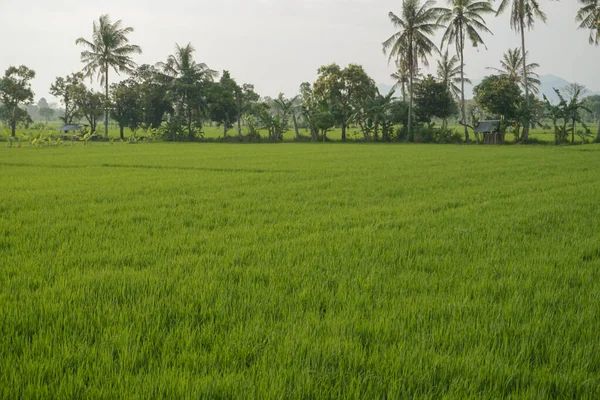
(274, 44)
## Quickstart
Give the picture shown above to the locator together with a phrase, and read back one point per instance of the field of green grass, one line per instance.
(172, 270)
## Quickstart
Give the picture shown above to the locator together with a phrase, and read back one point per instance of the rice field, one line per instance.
(171, 270)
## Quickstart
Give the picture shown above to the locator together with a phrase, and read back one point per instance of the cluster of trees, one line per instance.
(464, 21)
(181, 94)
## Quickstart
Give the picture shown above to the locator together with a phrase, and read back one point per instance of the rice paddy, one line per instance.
(171, 270)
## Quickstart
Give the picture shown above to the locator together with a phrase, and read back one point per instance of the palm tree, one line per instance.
(511, 65)
(184, 76)
(449, 73)
(412, 42)
(401, 76)
(522, 15)
(108, 49)
(589, 18)
(465, 21)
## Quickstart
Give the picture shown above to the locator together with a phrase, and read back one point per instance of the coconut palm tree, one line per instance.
(511, 65)
(465, 21)
(108, 49)
(184, 75)
(412, 42)
(522, 15)
(589, 18)
(401, 77)
(449, 72)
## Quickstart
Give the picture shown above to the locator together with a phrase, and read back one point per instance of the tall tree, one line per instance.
(15, 91)
(589, 18)
(412, 42)
(401, 77)
(433, 99)
(91, 105)
(465, 21)
(187, 79)
(341, 88)
(449, 73)
(126, 105)
(511, 65)
(108, 49)
(522, 15)
(65, 89)
(152, 86)
(222, 102)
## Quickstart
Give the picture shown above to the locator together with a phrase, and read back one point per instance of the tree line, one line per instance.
(181, 95)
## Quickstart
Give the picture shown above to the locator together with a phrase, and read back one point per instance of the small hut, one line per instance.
(491, 132)
(68, 128)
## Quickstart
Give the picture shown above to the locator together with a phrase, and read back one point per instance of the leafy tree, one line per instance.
(341, 88)
(511, 65)
(65, 89)
(91, 105)
(588, 17)
(223, 104)
(592, 103)
(152, 87)
(47, 113)
(108, 49)
(187, 88)
(246, 100)
(126, 105)
(412, 43)
(433, 100)
(43, 103)
(15, 91)
(522, 15)
(499, 96)
(465, 20)
(309, 106)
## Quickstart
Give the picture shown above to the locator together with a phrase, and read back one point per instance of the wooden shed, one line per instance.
(491, 132)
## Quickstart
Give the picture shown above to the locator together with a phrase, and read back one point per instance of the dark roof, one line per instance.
(487, 126)
(70, 127)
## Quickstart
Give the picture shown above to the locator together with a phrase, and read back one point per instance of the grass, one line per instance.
(299, 271)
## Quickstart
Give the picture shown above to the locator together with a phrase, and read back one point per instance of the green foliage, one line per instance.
(15, 91)
(433, 100)
(223, 102)
(67, 89)
(126, 105)
(499, 96)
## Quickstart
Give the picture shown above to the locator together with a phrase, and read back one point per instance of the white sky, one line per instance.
(274, 44)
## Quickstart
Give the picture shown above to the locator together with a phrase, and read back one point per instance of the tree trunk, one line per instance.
(296, 126)
(410, 105)
(403, 91)
(121, 132)
(573, 133)
(224, 129)
(343, 132)
(526, 122)
(105, 107)
(462, 84)
(13, 128)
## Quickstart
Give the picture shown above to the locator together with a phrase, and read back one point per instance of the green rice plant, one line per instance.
(304, 270)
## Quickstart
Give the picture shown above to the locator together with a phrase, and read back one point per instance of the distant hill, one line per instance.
(548, 83)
